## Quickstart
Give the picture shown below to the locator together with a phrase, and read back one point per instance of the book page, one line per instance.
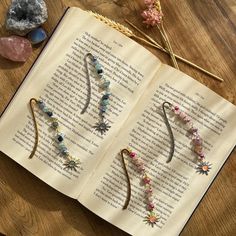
(177, 187)
(59, 78)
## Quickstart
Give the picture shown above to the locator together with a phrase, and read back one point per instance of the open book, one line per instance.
(140, 83)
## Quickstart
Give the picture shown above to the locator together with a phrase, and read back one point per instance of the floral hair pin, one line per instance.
(203, 167)
(70, 163)
(152, 218)
(102, 126)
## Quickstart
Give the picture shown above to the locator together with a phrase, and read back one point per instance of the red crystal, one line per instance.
(15, 48)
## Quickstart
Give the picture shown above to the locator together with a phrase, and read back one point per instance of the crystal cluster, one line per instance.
(25, 15)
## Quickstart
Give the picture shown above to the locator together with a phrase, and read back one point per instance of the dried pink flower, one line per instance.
(149, 3)
(152, 16)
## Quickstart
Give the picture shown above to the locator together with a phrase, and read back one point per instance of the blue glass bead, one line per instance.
(55, 124)
(65, 152)
(49, 113)
(104, 102)
(41, 104)
(94, 59)
(63, 149)
(106, 96)
(100, 76)
(103, 109)
(37, 36)
(60, 138)
(98, 66)
(62, 146)
(106, 84)
(45, 109)
(100, 71)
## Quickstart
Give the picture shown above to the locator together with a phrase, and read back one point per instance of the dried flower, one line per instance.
(152, 17)
(149, 3)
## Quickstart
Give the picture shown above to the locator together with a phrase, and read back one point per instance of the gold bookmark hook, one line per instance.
(32, 103)
(122, 153)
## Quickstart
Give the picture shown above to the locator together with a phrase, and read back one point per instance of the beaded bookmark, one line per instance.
(152, 218)
(70, 162)
(203, 167)
(101, 126)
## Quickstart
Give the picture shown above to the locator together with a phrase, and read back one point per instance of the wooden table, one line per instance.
(202, 31)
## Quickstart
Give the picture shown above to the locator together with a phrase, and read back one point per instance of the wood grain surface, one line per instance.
(203, 31)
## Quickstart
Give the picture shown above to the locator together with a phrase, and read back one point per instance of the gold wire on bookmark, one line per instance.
(152, 218)
(32, 102)
(70, 162)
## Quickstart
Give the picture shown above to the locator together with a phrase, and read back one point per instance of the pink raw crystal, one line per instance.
(15, 48)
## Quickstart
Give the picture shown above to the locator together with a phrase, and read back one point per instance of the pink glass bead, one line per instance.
(198, 149)
(176, 108)
(201, 156)
(140, 163)
(141, 168)
(189, 125)
(149, 194)
(136, 161)
(132, 154)
(150, 206)
(193, 130)
(182, 115)
(150, 199)
(149, 190)
(187, 119)
(146, 180)
(197, 140)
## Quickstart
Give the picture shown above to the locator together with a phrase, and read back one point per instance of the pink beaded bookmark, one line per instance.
(152, 218)
(203, 167)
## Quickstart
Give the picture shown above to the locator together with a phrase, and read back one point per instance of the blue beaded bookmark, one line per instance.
(70, 162)
(101, 126)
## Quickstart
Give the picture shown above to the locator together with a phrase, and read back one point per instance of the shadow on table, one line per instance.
(25, 185)
(6, 64)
